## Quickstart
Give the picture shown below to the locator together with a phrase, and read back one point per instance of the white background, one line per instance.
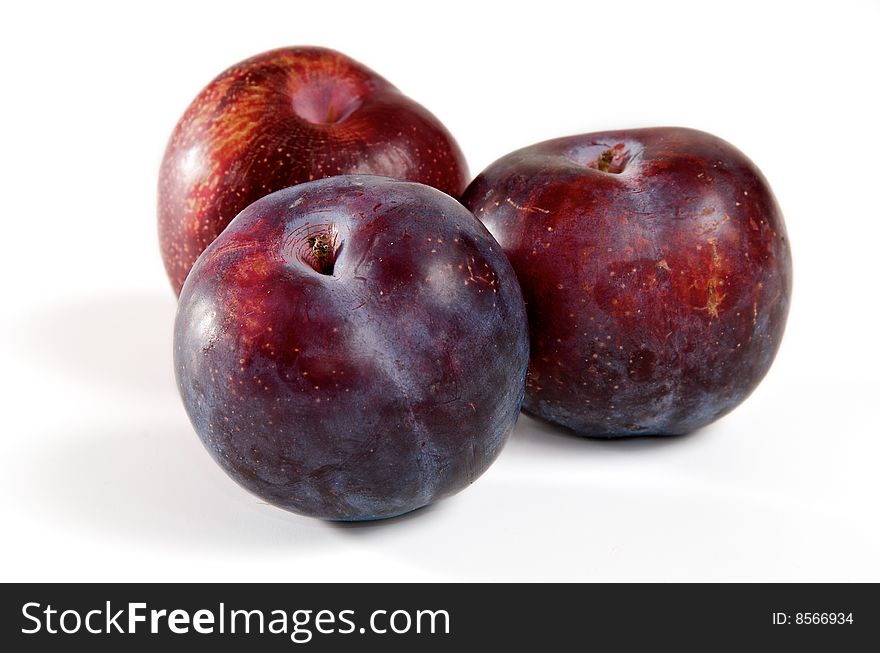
(101, 475)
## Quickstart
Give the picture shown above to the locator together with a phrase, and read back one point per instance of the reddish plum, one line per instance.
(285, 117)
(656, 271)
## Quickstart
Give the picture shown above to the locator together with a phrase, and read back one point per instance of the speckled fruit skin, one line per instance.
(353, 348)
(656, 271)
(285, 117)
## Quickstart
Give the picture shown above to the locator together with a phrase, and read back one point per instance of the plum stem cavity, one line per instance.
(610, 158)
(326, 101)
(321, 251)
(613, 160)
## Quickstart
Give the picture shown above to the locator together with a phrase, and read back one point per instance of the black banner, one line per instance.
(429, 617)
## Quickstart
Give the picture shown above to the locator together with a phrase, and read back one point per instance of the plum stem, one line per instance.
(613, 160)
(322, 252)
(604, 160)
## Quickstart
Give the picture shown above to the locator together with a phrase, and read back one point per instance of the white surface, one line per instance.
(102, 476)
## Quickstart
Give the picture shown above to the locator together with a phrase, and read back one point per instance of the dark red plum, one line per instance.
(656, 272)
(285, 117)
(353, 348)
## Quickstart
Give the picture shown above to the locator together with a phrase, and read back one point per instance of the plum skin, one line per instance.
(284, 117)
(657, 275)
(352, 348)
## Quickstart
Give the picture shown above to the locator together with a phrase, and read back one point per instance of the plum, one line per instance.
(284, 117)
(656, 270)
(352, 348)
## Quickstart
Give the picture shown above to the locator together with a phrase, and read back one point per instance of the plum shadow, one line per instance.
(154, 483)
(119, 343)
(380, 524)
(537, 433)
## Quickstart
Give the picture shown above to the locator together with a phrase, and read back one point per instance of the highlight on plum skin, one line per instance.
(657, 275)
(285, 117)
(352, 348)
